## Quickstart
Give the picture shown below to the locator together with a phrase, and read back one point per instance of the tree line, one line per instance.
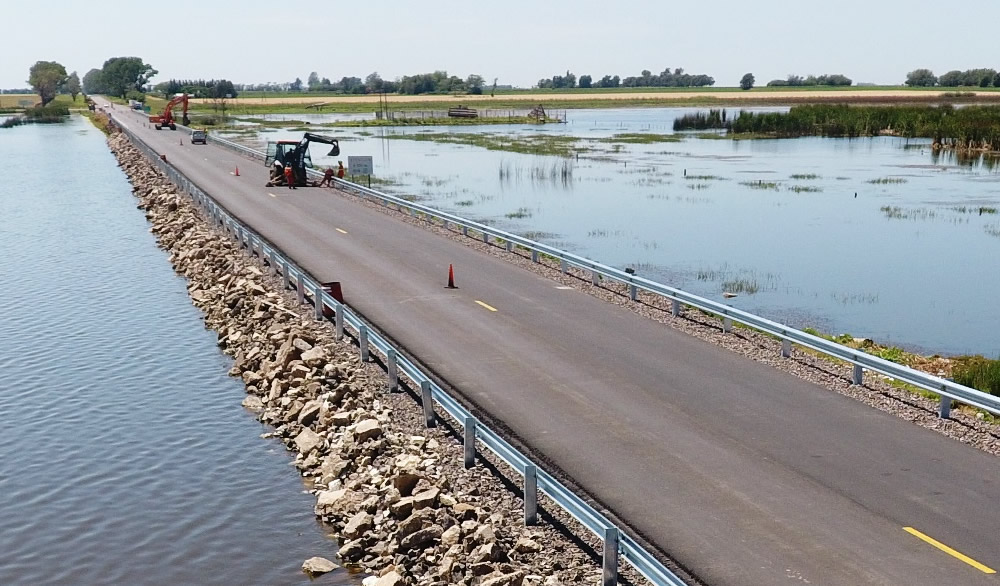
(954, 78)
(198, 88)
(834, 79)
(666, 78)
(124, 77)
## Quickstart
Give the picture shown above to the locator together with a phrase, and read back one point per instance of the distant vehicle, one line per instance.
(135, 104)
(199, 137)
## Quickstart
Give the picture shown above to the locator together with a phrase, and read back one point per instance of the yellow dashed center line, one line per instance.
(489, 307)
(949, 551)
(341, 231)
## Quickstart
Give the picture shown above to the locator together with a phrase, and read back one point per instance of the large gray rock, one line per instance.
(512, 579)
(307, 440)
(315, 356)
(421, 538)
(367, 429)
(359, 523)
(527, 545)
(309, 412)
(352, 550)
(390, 579)
(451, 535)
(338, 502)
(253, 403)
(317, 566)
(425, 499)
(331, 468)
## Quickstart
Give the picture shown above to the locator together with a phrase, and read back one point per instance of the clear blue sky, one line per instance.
(517, 41)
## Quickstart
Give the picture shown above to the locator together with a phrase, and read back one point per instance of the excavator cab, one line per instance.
(296, 154)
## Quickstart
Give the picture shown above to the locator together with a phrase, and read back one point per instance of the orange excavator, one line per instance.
(167, 117)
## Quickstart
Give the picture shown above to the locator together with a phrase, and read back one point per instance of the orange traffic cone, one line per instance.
(451, 277)
(180, 141)
(237, 171)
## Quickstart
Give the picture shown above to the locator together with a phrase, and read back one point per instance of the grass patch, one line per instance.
(518, 214)
(641, 138)
(761, 185)
(887, 181)
(804, 176)
(465, 203)
(975, 209)
(704, 178)
(535, 144)
(979, 373)
(805, 189)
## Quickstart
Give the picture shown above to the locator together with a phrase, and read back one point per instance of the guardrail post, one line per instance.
(486, 238)
(786, 348)
(859, 375)
(510, 246)
(727, 324)
(300, 288)
(633, 292)
(944, 407)
(392, 369)
(563, 266)
(338, 320)
(465, 230)
(675, 308)
(470, 442)
(610, 565)
(595, 278)
(530, 495)
(534, 256)
(318, 302)
(427, 402)
(363, 342)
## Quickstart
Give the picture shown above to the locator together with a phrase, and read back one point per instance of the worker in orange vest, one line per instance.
(289, 177)
(340, 169)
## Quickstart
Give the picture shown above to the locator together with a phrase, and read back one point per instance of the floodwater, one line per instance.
(125, 455)
(876, 237)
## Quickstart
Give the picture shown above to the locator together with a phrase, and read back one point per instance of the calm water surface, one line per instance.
(125, 457)
(910, 260)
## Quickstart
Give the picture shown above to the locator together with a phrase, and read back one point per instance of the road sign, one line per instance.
(359, 165)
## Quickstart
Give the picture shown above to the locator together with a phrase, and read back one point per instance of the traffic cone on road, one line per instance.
(451, 277)
(237, 173)
(181, 141)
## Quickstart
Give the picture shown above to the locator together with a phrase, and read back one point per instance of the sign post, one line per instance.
(358, 165)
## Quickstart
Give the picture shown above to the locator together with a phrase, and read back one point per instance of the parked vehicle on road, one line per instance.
(199, 137)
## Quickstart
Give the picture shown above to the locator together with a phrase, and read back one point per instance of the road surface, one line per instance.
(744, 474)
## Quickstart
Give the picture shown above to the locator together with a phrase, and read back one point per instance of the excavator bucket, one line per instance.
(334, 151)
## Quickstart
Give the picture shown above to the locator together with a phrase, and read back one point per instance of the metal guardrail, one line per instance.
(616, 541)
(948, 390)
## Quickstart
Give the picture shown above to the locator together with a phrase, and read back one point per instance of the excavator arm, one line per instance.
(322, 139)
(167, 117)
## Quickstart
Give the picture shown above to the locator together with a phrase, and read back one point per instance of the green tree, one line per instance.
(121, 74)
(474, 84)
(46, 77)
(746, 82)
(72, 86)
(586, 81)
(374, 82)
(296, 86)
(921, 78)
(953, 78)
(93, 83)
(996, 80)
(313, 81)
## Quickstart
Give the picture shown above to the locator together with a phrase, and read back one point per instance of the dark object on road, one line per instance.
(296, 155)
(199, 137)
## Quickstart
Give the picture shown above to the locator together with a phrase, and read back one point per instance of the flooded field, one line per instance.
(878, 237)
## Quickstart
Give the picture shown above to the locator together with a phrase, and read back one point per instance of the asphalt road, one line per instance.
(744, 474)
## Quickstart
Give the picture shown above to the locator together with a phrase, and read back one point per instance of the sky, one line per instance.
(515, 41)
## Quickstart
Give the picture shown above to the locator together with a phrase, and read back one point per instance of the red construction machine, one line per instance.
(167, 117)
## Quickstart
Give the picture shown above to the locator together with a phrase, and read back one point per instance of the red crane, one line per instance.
(167, 117)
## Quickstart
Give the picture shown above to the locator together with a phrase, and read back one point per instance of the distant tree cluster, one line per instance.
(118, 77)
(666, 78)
(198, 88)
(835, 79)
(954, 78)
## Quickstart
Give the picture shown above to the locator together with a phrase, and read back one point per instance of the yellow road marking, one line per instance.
(489, 307)
(950, 551)
(341, 231)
